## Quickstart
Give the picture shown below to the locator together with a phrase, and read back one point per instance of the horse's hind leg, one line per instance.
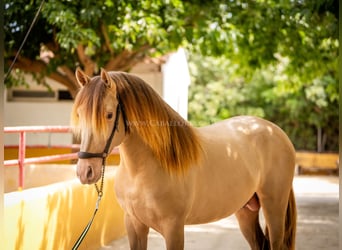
(250, 227)
(280, 216)
(274, 212)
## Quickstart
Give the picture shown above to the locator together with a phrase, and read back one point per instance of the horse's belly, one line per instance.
(228, 177)
(199, 217)
(216, 204)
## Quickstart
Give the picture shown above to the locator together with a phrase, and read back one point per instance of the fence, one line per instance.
(22, 160)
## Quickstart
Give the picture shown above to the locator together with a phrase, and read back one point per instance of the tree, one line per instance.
(294, 83)
(118, 34)
(307, 112)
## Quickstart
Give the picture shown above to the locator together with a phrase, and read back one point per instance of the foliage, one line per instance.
(118, 34)
(281, 65)
(305, 111)
(278, 59)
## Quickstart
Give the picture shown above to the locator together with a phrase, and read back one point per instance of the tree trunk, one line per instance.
(319, 139)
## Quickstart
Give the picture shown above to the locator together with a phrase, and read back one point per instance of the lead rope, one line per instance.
(99, 196)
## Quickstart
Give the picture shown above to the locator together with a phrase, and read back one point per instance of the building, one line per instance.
(38, 106)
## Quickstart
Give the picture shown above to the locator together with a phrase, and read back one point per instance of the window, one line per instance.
(17, 95)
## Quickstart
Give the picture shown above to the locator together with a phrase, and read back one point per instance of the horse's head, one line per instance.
(96, 120)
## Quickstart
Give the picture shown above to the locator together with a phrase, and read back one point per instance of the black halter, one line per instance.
(104, 154)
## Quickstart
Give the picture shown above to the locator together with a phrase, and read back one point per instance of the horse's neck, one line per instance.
(136, 156)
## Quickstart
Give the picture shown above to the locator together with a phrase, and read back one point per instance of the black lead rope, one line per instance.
(86, 155)
(86, 229)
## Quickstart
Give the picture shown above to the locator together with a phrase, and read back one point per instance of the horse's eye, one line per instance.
(109, 116)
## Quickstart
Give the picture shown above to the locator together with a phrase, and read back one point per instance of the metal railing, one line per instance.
(22, 160)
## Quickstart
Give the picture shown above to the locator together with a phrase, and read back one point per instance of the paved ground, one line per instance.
(317, 227)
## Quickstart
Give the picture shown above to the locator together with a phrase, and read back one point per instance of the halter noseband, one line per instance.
(104, 154)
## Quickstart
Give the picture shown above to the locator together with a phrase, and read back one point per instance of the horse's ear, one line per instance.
(81, 77)
(107, 79)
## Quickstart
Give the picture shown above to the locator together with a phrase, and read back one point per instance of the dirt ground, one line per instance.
(317, 223)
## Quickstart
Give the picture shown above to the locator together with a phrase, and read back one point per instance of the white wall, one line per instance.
(176, 81)
(36, 114)
(171, 79)
(151, 74)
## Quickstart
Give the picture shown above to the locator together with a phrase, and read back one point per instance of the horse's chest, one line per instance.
(140, 204)
(151, 201)
(132, 196)
(127, 194)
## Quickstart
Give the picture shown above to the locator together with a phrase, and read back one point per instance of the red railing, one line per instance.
(22, 160)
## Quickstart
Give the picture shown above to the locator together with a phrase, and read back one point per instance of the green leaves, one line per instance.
(64, 18)
(249, 33)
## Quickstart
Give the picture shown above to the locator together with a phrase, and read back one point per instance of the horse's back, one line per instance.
(262, 146)
(248, 132)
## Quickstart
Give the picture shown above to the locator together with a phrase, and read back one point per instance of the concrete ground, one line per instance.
(317, 223)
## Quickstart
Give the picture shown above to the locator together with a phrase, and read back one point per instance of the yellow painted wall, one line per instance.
(37, 175)
(320, 160)
(53, 216)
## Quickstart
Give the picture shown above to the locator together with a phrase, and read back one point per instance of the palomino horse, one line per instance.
(172, 174)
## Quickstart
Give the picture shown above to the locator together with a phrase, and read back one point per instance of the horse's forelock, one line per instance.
(90, 102)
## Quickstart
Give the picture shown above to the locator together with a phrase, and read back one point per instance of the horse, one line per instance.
(172, 174)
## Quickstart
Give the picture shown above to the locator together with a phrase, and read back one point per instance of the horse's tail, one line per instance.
(290, 222)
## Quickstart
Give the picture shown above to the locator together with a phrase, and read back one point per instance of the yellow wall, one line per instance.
(37, 175)
(320, 160)
(53, 216)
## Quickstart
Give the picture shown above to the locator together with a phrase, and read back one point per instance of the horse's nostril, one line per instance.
(89, 173)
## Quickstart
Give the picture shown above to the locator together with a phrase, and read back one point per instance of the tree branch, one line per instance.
(127, 59)
(106, 38)
(89, 65)
(70, 75)
(66, 78)
(114, 61)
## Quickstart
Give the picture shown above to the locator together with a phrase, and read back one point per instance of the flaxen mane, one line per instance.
(173, 141)
(88, 113)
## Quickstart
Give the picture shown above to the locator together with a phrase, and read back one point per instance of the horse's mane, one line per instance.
(172, 140)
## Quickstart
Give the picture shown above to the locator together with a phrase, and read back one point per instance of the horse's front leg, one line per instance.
(173, 233)
(137, 233)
